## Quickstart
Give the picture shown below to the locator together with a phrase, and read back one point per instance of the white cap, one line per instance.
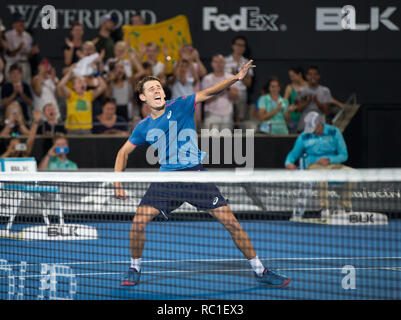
(2, 28)
(104, 18)
(311, 120)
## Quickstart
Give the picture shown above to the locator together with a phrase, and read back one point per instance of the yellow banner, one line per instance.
(172, 32)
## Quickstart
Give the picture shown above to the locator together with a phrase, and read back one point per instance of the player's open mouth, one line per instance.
(158, 99)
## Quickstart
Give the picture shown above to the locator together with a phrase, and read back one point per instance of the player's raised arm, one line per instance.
(206, 94)
(120, 165)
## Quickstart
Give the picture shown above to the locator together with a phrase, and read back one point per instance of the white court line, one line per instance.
(218, 260)
(92, 274)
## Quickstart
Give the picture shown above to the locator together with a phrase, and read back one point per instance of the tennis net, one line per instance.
(66, 235)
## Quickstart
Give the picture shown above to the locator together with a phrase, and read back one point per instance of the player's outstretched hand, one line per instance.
(119, 191)
(244, 69)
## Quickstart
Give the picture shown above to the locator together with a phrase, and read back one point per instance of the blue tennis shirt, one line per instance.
(172, 134)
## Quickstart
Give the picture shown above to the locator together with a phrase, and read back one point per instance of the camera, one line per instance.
(20, 147)
(62, 150)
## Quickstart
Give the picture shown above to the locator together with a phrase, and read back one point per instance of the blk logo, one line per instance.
(338, 19)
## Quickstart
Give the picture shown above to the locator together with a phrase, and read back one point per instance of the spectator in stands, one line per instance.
(273, 109)
(79, 101)
(14, 121)
(323, 148)
(51, 124)
(152, 52)
(181, 83)
(2, 66)
(104, 41)
(137, 20)
(118, 33)
(3, 45)
(109, 122)
(120, 88)
(296, 75)
(219, 110)
(91, 62)
(56, 157)
(19, 48)
(16, 148)
(312, 97)
(188, 52)
(233, 64)
(138, 104)
(44, 86)
(129, 60)
(73, 44)
(17, 90)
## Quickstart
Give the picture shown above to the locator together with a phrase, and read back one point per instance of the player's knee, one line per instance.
(140, 220)
(232, 225)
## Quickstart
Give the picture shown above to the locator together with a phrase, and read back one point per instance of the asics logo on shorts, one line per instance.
(215, 200)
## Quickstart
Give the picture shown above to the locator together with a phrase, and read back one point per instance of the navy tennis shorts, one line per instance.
(168, 196)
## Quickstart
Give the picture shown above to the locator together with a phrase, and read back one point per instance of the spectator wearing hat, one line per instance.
(322, 147)
(19, 47)
(104, 41)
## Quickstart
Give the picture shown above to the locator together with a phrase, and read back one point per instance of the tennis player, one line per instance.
(170, 118)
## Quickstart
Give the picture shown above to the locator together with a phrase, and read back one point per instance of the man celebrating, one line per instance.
(323, 148)
(172, 118)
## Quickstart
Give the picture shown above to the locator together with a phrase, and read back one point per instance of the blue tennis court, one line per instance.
(198, 260)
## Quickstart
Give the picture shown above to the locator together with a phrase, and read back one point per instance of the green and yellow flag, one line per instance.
(173, 32)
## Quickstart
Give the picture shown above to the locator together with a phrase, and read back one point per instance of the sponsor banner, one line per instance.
(61, 232)
(100, 199)
(348, 219)
(275, 30)
(18, 165)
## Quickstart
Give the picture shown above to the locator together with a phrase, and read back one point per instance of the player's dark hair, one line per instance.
(141, 83)
(146, 65)
(313, 68)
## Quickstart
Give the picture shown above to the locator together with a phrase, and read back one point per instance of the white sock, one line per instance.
(257, 265)
(136, 263)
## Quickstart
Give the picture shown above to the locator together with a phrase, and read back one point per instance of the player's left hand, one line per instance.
(244, 69)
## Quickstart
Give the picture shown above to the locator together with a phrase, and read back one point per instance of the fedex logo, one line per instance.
(248, 19)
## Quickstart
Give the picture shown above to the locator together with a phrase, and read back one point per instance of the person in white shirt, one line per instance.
(44, 87)
(219, 109)
(19, 48)
(233, 63)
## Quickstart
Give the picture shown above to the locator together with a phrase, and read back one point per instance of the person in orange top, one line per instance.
(79, 101)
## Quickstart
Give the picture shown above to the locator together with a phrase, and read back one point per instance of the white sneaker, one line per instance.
(324, 214)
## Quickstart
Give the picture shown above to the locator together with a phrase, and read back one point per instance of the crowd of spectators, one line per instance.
(94, 91)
